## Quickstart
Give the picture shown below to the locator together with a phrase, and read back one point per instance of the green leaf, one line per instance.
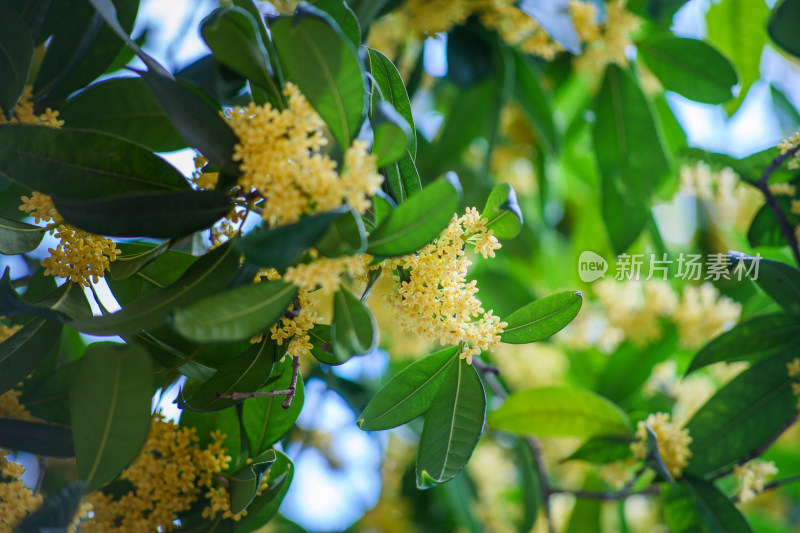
(21, 353)
(780, 281)
(56, 512)
(765, 230)
(737, 28)
(225, 421)
(68, 299)
(742, 416)
(195, 119)
(555, 19)
(502, 213)
(36, 438)
(285, 245)
(128, 264)
(110, 405)
(124, 107)
(560, 412)
(18, 237)
(12, 305)
(782, 26)
(402, 178)
(80, 164)
(49, 399)
(344, 17)
(324, 64)
(156, 274)
(391, 135)
(698, 505)
(264, 419)
(629, 150)
(751, 340)
(602, 450)
(265, 507)
(541, 318)
(235, 314)
(689, 67)
(534, 102)
(638, 364)
(209, 274)
(353, 330)
(388, 79)
(156, 214)
(235, 39)
(452, 427)
(214, 79)
(16, 56)
(417, 221)
(615, 200)
(345, 236)
(246, 372)
(321, 347)
(409, 393)
(244, 483)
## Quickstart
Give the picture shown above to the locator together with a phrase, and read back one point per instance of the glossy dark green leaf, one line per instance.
(244, 483)
(780, 281)
(12, 305)
(452, 427)
(128, 264)
(209, 274)
(195, 119)
(156, 214)
(554, 17)
(502, 213)
(322, 349)
(765, 230)
(409, 393)
(534, 102)
(16, 55)
(108, 12)
(80, 164)
(629, 150)
(68, 299)
(156, 274)
(317, 56)
(689, 67)
(18, 237)
(393, 89)
(698, 505)
(391, 135)
(285, 245)
(124, 107)
(57, 511)
(622, 230)
(49, 399)
(87, 52)
(560, 412)
(21, 353)
(742, 415)
(750, 340)
(737, 28)
(110, 405)
(417, 221)
(245, 373)
(219, 82)
(234, 37)
(602, 450)
(345, 236)
(264, 419)
(235, 314)
(402, 178)
(265, 507)
(782, 26)
(541, 318)
(37, 438)
(343, 15)
(353, 330)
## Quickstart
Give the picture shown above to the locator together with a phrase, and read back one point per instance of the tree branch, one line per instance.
(289, 393)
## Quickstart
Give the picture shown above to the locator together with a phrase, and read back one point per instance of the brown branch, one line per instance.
(289, 393)
(763, 185)
(779, 482)
(287, 402)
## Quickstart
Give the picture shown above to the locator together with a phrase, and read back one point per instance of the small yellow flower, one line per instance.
(673, 443)
(752, 477)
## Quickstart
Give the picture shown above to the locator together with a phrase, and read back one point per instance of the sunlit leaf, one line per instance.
(542, 318)
(502, 213)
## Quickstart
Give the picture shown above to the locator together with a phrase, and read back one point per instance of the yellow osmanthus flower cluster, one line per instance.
(280, 157)
(433, 298)
(16, 500)
(752, 477)
(171, 473)
(793, 370)
(789, 144)
(494, 475)
(323, 272)
(23, 113)
(613, 40)
(11, 407)
(635, 309)
(204, 179)
(673, 442)
(81, 257)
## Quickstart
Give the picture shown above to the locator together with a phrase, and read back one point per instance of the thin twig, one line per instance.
(289, 393)
(293, 386)
(40, 476)
(779, 482)
(763, 185)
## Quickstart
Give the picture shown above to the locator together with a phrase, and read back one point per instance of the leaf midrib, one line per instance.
(112, 403)
(215, 320)
(557, 311)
